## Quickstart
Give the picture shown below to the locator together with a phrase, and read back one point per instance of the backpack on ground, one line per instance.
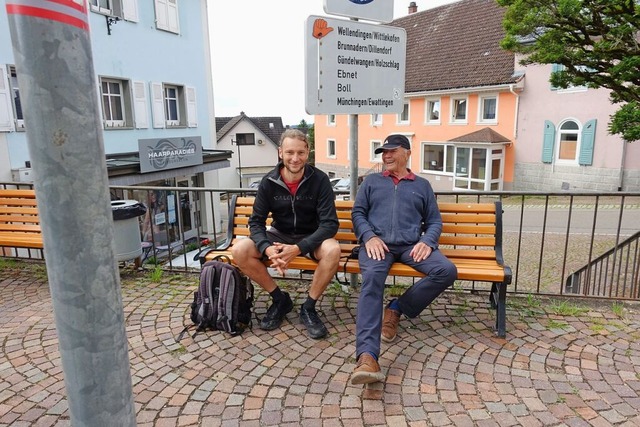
(223, 300)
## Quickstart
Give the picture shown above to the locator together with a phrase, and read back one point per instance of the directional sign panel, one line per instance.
(373, 10)
(353, 67)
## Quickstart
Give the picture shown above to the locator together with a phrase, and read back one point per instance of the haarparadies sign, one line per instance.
(372, 10)
(169, 153)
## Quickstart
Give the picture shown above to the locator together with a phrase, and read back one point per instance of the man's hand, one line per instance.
(281, 255)
(420, 252)
(376, 248)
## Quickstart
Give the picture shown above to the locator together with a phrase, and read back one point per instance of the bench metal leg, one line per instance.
(498, 300)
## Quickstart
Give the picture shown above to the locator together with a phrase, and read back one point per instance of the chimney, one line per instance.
(413, 8)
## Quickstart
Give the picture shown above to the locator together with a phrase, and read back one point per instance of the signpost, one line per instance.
(353, 67)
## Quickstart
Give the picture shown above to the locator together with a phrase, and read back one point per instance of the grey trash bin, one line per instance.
(127, 231)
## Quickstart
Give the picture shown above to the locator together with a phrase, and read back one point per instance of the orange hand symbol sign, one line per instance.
(320, 28)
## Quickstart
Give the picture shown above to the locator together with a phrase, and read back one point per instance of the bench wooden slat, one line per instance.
(19, 219)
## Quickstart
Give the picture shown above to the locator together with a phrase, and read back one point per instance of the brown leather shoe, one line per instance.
(367, 370)
(390, 324)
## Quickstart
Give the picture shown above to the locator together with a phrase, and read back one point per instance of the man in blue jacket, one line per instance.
(302, 204)
(396, 218)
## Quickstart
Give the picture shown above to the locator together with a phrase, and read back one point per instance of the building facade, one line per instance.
(153, 77)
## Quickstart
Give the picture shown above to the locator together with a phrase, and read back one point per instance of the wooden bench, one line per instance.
(471, 238)
(19, 221)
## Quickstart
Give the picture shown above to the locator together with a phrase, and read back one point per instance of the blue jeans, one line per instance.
(441, 273)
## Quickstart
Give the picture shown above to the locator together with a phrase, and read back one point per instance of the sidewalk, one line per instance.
(580, 367)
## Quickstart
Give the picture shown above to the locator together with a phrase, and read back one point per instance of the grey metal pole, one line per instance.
(353, 169)
(52, 49)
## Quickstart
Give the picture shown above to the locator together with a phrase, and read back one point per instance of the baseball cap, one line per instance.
(394, 141)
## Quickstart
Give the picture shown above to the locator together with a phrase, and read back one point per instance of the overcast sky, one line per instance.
(258, 55)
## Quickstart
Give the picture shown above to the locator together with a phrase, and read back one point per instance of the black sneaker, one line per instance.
(314, 325)
(276, 313)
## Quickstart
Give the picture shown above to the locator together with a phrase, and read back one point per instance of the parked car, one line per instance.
(345, 185)
(334, 181)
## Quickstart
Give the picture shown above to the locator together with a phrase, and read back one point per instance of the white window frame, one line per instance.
(455, 100)
(376, 119)
(481, 109)
(14, 91)
(375, 158)
(331, 149)
(167, 16)
(570, 89)
(171, 97)
(185, 102)
(331, 120)
(428, 102)
(111, 101)
(400, 118)
(448, 150)
(559, 133)
(125, 9)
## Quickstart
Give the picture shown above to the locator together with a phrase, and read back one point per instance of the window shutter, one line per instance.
(162, 20)
(192, 109)
(6, 106)
(157, 105)
(141, 118)
(587, 143)
(172, 14)
(548, 141)
(555, 68)
(130, 10)
(101, 104)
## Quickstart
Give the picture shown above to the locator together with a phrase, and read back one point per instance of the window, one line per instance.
(375, 157)
(167, 15)
(173, 105)
(126, 9)
(433, 111)
(331, 120)
(488, 109)
(572, 144)
(331, 149)
(459, 110)
(403, 118)
(438, 158)
(568, 141)
(15, 96)
(376, 119)
(558, 68)
(112, 103)
(471, 167)
(245, 139)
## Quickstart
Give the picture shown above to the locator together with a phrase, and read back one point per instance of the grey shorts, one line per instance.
(288, 239)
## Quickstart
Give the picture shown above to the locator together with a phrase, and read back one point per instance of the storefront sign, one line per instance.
(169, 153)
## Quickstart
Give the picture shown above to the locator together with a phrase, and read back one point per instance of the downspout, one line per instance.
(624, 156)
(515, 121)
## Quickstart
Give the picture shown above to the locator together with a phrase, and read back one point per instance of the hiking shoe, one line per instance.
(390, 325)
(367, 370)
(276, 313)
(314, 325)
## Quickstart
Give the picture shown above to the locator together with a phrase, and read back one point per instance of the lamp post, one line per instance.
(234, 141)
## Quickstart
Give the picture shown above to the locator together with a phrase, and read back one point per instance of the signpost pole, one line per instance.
(58, 93)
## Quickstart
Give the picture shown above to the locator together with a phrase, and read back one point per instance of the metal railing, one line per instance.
(556, 243)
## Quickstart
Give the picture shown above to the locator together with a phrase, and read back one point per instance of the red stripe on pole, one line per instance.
(47, 14)
(70, 3)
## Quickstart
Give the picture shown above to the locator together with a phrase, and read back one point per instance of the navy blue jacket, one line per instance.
(401, 214)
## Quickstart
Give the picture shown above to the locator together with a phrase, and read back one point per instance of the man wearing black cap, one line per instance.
(396, 218)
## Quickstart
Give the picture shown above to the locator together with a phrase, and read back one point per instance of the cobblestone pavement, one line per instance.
(563, 364)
